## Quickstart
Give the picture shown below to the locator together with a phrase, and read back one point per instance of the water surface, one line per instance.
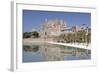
(48, 52)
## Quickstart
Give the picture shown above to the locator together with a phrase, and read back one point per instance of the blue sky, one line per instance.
(34, 19)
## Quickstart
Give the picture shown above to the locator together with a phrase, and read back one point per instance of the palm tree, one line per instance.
(87, 34)
(84, 36)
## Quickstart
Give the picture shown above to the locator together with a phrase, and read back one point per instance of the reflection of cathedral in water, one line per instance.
(51, 54)
(58, 53)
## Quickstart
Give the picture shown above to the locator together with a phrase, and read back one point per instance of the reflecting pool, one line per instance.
(48, 52)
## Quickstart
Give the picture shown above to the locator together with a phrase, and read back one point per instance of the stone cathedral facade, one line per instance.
(52, 28)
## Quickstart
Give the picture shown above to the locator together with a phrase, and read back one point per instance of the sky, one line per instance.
(33, 19)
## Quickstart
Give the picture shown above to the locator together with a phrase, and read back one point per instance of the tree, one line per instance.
(26, 35)
(35, 34)
(88, 38)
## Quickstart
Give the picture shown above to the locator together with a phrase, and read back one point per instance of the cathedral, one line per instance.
(52, 28)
